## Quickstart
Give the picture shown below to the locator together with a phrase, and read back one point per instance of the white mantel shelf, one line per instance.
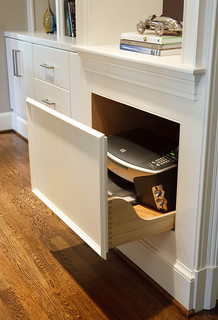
(166, 74)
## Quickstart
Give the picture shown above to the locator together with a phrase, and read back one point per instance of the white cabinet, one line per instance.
(57, 79)
(51, 78)
(68, 163)
(20, 74)
(47, 71)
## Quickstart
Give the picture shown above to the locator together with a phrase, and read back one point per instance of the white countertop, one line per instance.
(42, 38)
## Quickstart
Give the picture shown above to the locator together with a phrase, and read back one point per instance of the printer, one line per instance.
(149, 162)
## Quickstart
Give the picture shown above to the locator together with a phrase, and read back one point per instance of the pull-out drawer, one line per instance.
(52, 96)
(51, 65)
(128, 223)
(68, 162)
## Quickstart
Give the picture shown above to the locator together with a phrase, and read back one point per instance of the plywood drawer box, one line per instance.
(51, 65)
(74, 183)
(52, 96)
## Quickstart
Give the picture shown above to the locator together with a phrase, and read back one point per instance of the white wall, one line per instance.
(105, 13)
(13, 16)
(120, 16)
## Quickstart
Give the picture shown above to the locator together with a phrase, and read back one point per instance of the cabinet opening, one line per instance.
(138, 183)
(111, 117)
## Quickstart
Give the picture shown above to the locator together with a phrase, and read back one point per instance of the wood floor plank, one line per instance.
(48, 272)
(35, 257)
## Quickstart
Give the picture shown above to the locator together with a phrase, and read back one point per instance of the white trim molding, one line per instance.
(59, 4)
(199, 16)
(19, 125)
(83, 12)
(206, 260)
(5, 121)
(167, 271)
(151, 73)
(30, 15)
(193, 289)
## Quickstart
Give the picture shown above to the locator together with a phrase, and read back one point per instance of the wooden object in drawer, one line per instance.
(127, 223)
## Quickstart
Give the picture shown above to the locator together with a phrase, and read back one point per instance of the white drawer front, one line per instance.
(52, 96)
(51, 65)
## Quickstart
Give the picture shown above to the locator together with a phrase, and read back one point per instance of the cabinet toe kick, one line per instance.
(128, 223)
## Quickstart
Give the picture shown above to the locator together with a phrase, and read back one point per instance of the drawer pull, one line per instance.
(48, 102)
(44, 65)
(15, 62)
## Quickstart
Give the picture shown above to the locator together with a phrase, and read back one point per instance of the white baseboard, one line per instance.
(5, 121)
(194, 289)
(10, 120)
(19, 125)
(169, 273)
(211, 292)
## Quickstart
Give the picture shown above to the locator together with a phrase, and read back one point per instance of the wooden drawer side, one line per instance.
(127, 223)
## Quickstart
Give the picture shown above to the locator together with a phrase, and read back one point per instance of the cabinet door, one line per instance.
(68, 172)
(20, 74)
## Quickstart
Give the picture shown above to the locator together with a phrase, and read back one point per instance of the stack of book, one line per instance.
(70, 12)
(150, 43)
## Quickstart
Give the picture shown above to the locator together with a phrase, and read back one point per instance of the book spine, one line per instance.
(70, 19)
(153, 39)
(157, 40)
(153, 52)
(73, 13)
(67, 18)
(152, 45)
(150, 39)
(141, 44)
(133, 37)
(164, 40)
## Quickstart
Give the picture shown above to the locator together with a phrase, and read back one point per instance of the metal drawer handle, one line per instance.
(48, 103)
(15, 62)
(44, 65)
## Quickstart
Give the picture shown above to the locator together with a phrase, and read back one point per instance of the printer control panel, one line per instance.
(164, 161)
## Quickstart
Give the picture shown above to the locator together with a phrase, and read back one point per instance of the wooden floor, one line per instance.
(48, 272)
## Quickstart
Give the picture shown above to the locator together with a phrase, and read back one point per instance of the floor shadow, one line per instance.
(119, 291)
